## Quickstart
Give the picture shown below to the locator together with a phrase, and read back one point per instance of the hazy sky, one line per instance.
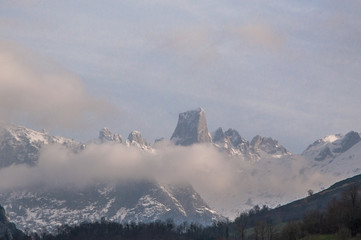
(286, 69)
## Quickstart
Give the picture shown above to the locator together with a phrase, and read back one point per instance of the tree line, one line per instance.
(342, 218)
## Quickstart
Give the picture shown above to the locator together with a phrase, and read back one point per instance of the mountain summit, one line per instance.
(191, 128)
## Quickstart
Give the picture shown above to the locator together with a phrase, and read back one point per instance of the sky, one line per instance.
(289, 70)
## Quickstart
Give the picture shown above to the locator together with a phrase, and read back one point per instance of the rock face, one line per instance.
(8, 230)
(105, 135)
(260, 147)
(268, 145)
(234, 137)
(135, 137)
(231, 142)
(350, 139)
(220, 139)
(191, 128)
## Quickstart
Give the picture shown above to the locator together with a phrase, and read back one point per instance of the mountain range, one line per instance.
(262, 170)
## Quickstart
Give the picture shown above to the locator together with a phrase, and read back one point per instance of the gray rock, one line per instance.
(268, 145)
(8, 230)
(191, 128)
(105, 135)
(323, 154)
(234, 137)
(350, 139)
(218, 135)
(136, 137)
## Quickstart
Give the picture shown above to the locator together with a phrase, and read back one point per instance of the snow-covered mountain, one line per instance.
(327, 148)
(267, 173)
(20, 145)
(135, 139)
(133, 200)
(105, 135)
(261, 172)
(337, 154)
(139, 201)
(260, 147)
(192, 128)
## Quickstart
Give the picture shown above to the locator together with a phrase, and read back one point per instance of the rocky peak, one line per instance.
(191, 128)
(105, 135)
(221, 140)
(268, 145)
(234, 137)
(21, 145)
(218, 135)
(136, 137)
(256, 141)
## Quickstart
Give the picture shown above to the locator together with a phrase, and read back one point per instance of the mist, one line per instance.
(228, 184)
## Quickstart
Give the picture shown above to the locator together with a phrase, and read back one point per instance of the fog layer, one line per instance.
(229, 184)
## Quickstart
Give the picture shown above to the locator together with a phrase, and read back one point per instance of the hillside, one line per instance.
(297, 209)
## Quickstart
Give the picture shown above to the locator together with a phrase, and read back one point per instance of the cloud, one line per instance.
(60, 166)
(194, 43)
(258, 34)
(34, 89)
(225, 182)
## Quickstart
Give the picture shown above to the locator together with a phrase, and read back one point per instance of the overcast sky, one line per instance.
(290, 70)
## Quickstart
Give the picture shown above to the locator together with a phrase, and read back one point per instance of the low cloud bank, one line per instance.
(227, 183)
(59, 166)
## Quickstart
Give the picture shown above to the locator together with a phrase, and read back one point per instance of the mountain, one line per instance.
(48, 206)
(231, 142)
(135, 139)
(139, 201)
(191, 128)
(20, 145)
(337, 154)
(318, 201)
(260, 171)
(105, 135)
(330, 147)
(268, 146)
